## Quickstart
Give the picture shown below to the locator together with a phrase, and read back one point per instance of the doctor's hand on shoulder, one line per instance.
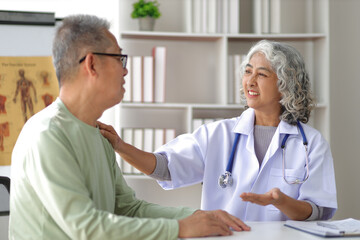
(294, 209)
(109, 132)
(141, 160)
(210, 223)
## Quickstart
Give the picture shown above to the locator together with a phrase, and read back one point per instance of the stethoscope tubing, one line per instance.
(305, 143)
(231, 159)
(226, 179)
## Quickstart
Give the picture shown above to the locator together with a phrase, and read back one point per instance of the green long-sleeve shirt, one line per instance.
(65, 184)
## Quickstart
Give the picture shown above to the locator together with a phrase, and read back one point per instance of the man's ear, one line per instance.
(89, 64)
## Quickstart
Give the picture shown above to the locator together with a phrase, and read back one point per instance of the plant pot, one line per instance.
(146, 24)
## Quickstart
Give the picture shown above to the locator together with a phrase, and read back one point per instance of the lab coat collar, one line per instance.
(245, 124)
(283, 129)
(286, 128)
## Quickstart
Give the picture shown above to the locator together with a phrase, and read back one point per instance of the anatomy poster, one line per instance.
(27, 85)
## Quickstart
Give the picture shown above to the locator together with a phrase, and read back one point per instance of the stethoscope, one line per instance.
(226, 180)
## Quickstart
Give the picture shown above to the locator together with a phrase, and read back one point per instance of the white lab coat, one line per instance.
(203, 156)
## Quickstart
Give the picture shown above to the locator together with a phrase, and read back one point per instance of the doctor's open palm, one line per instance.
(294, 209)
(274, 197)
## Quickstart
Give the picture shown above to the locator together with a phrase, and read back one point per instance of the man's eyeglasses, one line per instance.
(123, 58)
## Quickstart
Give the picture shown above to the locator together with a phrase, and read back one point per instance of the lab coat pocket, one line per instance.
(276, 180)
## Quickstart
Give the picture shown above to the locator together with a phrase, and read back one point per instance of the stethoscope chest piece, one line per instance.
(225, 180)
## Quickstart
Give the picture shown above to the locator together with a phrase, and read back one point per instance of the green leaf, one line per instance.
(144, 9)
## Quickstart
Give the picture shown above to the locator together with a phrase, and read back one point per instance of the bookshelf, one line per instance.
(197, 62)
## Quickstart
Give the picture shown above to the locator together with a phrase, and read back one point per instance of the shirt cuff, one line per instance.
(317, 212)
(161, 171)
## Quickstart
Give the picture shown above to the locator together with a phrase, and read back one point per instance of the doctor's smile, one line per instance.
(252, 93)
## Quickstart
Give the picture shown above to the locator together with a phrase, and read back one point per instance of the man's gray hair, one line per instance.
(297, 100)
(77, 36)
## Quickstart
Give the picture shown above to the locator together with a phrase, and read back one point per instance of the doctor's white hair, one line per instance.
(297, 100)
(74, 38)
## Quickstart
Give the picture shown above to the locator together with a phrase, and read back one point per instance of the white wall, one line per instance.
(344, 101)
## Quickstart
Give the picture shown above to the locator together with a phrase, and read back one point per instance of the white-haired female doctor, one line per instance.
(281, 168)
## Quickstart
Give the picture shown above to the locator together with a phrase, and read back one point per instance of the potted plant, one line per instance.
(146, 12)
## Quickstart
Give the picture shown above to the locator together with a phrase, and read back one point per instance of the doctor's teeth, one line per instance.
(253, 93)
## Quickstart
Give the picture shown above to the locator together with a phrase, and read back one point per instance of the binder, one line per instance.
(127, 136)
(148, 78)
(159, 138)
(138, 141)
(148, 140)
(137, 78)
(159, 54)
(341, 228)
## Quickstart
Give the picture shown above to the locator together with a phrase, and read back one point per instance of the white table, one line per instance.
(270, 231)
